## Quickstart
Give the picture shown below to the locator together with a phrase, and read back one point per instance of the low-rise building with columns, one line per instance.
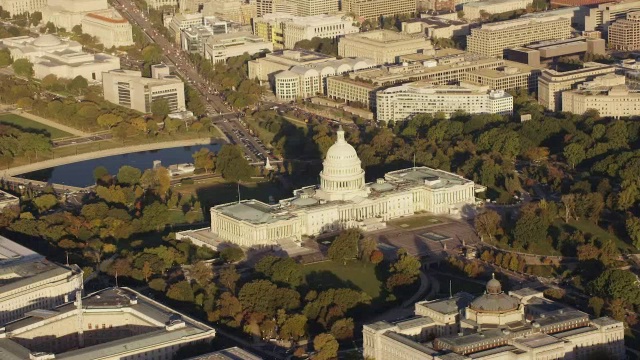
(494, 326)
(31, 282)
(344, 200)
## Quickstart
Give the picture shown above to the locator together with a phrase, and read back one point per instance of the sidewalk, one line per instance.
(53, 124)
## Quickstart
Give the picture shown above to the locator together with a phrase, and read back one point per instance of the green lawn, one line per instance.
(588, 227)
(414, 222)
(17, 120)
(355, 274)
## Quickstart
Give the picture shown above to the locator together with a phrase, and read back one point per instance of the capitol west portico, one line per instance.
(344, 200)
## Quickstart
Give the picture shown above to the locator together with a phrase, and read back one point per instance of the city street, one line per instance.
(209, 95)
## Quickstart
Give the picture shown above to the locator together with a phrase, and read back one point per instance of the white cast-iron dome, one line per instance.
(342, 177)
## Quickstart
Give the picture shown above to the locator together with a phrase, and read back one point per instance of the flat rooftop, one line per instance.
(382, 36)
(254, 212)
(233, 353)
(537, 340)
(433, 178)
(117, 299)
(449, 305)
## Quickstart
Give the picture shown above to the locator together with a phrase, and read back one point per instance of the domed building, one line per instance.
(342, 177)
(493, 309)
(63, 58)
(342, 200)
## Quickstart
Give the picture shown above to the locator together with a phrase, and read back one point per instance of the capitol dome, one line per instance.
(342, 177)
(47, 40)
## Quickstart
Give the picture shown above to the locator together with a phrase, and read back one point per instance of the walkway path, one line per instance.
(102, 153)
(424, 286)
(51, 123)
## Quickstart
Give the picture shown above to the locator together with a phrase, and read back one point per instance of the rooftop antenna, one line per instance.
(450, 293)
(67, 253)
(117, 279)
(414, 161)
(238, 192)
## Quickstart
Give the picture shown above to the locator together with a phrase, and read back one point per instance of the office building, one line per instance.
(436, 27)
(436, 6)
(624, 34)
(17, 7)
(285, 30)
(129, 89)
(310, 80)
(96, 17)
(221, 47)
(600, 17)
(383, 46)
(552, 83)
(111, 324)
(31, 283)
(194, 38)
(63, 58)
(191, 6)
(159, 4)
(294, 74)
(547, 51)
(264, 7)
(237, 11)
(374, 9)
(180, 22)
(492, 39)
(585, 3)
(399, 103)
(608, 94)
(315, 7)
(8, 200)
(475, 10)
(520, 325)
(342, 200)
(111, 29)
(361, 86)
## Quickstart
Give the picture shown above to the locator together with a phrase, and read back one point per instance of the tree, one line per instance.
(109, 120)
(293, 328)
(326, 347)
(5, 58)
(158, 285)
(202, 273)
(633, 229)
(23, 67)
(45, 202)
(77, 29)
(100, 173)
(229, 278)
(367, 246)
(574, 153)
(35, 18)
(616, 284)
(406, 264)
(160, 108)
(204, 159)
(232, 254)
(342, 329)
(78, 85)
(231, 164)
(345, 246)
(596, 304)
(181, 291)
(376, 257)
(129, 175)
(152, 54)
(488, 223)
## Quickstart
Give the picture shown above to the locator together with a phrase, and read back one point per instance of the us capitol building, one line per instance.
(520, 325)
(344, 200)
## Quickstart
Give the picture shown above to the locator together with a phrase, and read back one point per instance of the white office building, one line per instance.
(399, 103)
(31, 282)
(475, 10)
(110, 28)
(220, 48)
(16, 7)
(129, 89)
(63, 58)
(297, 28)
